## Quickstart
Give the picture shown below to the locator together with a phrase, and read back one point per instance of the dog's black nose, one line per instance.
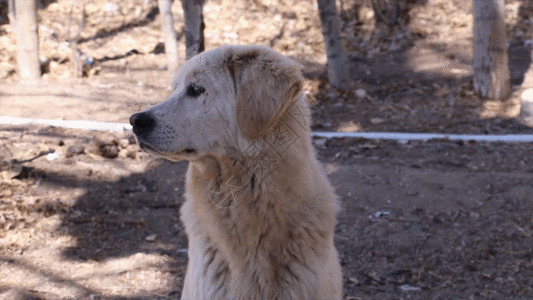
(142, 123)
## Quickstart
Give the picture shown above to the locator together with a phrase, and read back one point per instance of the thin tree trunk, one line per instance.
(491, 66)
(77, 55)
(337, 69)
(25, 27)
(171, 44)
(11, 12)
(194, 27)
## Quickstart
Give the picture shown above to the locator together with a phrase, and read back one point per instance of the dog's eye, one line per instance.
(194, 90)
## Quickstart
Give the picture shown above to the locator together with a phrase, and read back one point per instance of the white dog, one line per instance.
(259, 210)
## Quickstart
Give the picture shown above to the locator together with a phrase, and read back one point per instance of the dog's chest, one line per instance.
(208, 274)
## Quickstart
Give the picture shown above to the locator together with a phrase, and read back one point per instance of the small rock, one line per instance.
(403, 142)
(112, 9)
(151, 238)
(91, 8)
(381, 213)
(368, 146)
(106, 145)
(320, 142)
(54, 7)
(130, 151)
(366, 14)
(131, 139)
(74, 150)
(94, 71)
(349, 127)
(52, 156)
(353, 280)
(123, 143)
(360, 93)
(377, 120)
(394, 47)
(159, 48)
(106, 139)
(109, 151)
(408, 288)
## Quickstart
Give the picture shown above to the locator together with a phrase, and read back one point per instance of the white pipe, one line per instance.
(87, 125)
(90, 125)
(523, 138)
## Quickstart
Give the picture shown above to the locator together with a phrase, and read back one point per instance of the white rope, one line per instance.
(90, 125)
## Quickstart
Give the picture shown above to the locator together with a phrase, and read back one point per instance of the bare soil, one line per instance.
(421, 220)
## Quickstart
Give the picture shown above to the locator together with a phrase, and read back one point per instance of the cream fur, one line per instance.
(259, 210)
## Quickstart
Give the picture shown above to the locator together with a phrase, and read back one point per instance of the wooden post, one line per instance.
(171, 44)
(194, 27)
(337, 69)
(491, 66)
(25, 28)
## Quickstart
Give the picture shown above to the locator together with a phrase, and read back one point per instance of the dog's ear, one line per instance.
(266, 85)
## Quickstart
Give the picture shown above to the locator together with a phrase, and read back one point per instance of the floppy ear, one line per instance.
(266, 85)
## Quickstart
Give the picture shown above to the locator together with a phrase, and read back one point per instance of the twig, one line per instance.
(19, 162)
(278, 36)
(42, 153)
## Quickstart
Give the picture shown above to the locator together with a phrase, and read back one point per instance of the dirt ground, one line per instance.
(438, 219)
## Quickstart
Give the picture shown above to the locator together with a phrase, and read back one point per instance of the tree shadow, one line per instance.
(52, 277)
(126, 212)
(117, 220)
(148, 18)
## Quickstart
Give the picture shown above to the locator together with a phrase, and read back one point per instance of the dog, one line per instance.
(259, 211)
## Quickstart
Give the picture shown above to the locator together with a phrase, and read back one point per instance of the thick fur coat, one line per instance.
(259, 210)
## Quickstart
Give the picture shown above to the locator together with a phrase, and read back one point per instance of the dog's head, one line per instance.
(222, 99)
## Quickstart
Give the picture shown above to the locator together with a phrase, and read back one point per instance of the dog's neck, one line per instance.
(250, 184)
(238, 180)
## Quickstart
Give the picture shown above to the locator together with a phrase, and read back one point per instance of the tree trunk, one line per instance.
(25, 28)
(337, 69)
(194, 27)
(491, 66)
(171, 44)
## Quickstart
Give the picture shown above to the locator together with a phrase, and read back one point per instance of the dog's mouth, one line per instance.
(189, 151)
(182, 153)
(148, 148)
